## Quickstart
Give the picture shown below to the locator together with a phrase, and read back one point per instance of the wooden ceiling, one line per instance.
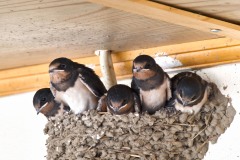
(37, 31)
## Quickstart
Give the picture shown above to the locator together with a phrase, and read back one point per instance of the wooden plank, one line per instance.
(35, 32)
(22, 84)
(200, 56)
(189, 60)
(188, 68)
(127, 56)
(227, 10)
(173, 15)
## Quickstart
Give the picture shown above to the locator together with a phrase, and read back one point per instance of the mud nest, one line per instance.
(94, 135)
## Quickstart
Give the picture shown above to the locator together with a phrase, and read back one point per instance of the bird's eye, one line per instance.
(147, 66)
(62, 66)
(181, 92)
(43, 99)
(124, 102)
(194, 97)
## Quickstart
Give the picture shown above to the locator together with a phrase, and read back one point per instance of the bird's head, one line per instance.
(60, 70)
(189, 90)
(43, 101)
(144, 67)
(120, 99)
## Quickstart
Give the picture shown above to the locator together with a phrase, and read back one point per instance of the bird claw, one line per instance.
(170, 110)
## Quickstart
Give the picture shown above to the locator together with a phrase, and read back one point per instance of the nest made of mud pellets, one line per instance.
(104, 136)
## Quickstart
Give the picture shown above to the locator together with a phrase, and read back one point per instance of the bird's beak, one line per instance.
(185, 103)
(114, 108)
(136, 70)
(55, 70)
(39, 110)
(51, 71)
(123, 106)
(52, 68)
(139, 69)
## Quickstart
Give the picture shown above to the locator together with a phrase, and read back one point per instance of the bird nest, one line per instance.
(94, 135)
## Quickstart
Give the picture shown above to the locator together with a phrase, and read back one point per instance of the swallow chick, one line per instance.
(190, 92)
(151, 83)
(44, 102)
(75, 85)
(121, 99)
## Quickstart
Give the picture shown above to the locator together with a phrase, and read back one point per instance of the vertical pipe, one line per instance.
(106, 64)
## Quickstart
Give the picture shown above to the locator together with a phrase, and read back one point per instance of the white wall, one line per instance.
(228, 144)
(21, 130)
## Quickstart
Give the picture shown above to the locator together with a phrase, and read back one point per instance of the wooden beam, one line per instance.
(127, 56)
(192, 55)
(176, 16)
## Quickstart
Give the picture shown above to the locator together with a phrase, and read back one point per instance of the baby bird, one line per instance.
(75, 85)
(190, 92)
(151, 83)
(121, 99)
(44, 102)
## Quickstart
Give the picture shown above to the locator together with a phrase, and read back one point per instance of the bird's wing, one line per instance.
(92, 81)
(137, 103)
(171, 102)
(102, 104)
(169, 87)
(175, 79)
(134, 86)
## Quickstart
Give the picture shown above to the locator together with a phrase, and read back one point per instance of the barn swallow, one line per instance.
(121, 99)
(151, 83)
(190, 92)
(75, 85)
(44, 102)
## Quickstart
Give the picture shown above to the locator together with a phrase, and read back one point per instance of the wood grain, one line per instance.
(35, 32)
(175, 16)
(226, 10)
(127, 56)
